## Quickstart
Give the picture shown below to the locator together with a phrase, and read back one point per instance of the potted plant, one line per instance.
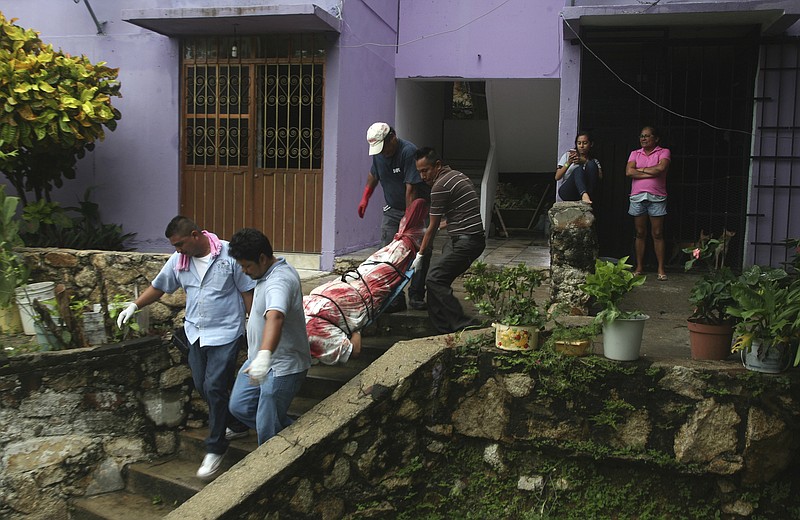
(573, 340)
(710, 326)
(622, 330)
(767, 304)
(506, 296)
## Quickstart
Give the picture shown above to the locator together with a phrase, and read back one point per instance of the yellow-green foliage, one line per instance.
(54, 106)
(50, 95)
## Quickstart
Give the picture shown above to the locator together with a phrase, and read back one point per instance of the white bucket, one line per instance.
(622, 339)
(25, 295)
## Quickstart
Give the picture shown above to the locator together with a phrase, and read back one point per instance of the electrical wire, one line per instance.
(426, 36)
(642, 94)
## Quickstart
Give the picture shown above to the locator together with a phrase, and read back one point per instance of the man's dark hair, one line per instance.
(249, 244)
(181, 226)
(427, 153)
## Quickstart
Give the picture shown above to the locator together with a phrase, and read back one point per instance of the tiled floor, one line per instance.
(665, 302)
(532, 251)
(527, 249)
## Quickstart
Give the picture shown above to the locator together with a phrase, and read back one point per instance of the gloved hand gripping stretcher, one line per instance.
(339, 309)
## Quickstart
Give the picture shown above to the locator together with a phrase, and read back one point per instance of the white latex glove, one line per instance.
(260, 366)
(125, 315)
(417, 263)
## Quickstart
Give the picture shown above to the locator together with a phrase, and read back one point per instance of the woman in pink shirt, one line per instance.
(647, 167)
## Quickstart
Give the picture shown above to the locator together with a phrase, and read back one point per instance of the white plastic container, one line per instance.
(622, 339)
(94, 328)
(25, 295)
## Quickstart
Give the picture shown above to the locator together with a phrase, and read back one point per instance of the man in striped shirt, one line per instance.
(453, 197)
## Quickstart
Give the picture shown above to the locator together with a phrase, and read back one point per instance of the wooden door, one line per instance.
(252, 139)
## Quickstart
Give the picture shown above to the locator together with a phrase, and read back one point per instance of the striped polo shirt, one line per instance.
(453, 197)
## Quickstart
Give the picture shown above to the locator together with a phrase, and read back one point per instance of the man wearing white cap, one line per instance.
(394, 166)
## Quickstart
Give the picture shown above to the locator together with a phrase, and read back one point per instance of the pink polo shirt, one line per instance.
(654, 185)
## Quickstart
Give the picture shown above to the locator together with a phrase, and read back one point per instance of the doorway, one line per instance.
(705, 73)
(252, 136)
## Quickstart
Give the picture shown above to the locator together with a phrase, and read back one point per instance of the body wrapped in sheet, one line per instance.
(339, 308)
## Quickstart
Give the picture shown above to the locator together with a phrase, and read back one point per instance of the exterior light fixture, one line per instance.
(234, 47)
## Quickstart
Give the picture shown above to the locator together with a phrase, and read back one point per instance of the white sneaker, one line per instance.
(230, 434)
(210, 466)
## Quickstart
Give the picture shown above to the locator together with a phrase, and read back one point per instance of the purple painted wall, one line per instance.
(136, 168)
(479, 39)
(360, 90)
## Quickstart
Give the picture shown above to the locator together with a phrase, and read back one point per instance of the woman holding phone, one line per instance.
(579, 171)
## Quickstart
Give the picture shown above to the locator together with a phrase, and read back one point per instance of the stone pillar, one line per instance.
(573, 250)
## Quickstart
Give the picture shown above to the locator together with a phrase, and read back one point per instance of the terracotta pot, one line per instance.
(578, 347)
(516, 337)
(712, 342)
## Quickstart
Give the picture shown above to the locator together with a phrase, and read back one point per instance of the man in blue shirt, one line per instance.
(218, 294)
(394, 166)
(278, 352)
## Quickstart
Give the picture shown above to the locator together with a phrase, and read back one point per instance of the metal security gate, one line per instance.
(711, 79)
(252, 139)
(774, 211)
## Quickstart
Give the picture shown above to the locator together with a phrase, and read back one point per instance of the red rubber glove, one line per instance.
(362, 206)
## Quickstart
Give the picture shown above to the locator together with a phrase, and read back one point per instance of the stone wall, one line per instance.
(71, 420)
(573, 250)
(376, 442)
(98, 275)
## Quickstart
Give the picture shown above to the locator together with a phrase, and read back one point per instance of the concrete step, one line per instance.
(172, 481)
(155, 488)
(120, 505)
(192, 446)
(407, 324)
(323, 380)
(301, 405)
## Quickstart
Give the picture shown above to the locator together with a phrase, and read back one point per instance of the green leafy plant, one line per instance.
(711, 295)
(566, 333)
(505, 295)
(116, 305)
(609, 284)
(47, 224)
(56, 106)
(767, 304)
(794, 262)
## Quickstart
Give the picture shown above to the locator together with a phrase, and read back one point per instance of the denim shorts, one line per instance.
(648, 207)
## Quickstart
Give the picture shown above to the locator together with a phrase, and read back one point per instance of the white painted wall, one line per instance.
(419, 112)
(525, 113)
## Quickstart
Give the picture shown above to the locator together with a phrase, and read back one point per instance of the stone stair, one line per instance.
(154, 488)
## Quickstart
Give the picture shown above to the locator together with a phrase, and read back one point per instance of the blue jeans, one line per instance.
(265, 407)
(582, 180)
(213, 370)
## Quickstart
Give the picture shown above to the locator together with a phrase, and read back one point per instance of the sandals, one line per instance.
(661, 277)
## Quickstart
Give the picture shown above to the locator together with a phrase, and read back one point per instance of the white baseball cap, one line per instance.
(375, 136)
